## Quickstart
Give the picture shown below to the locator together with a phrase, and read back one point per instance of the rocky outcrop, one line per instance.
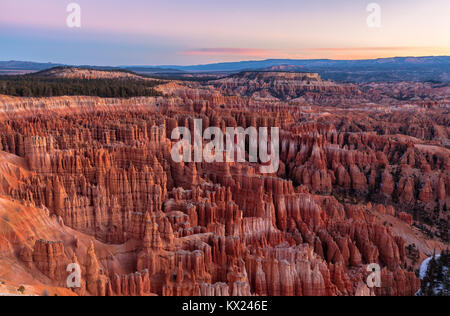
(49, 258)
(90, 74)
(407, 218)
(284, 86)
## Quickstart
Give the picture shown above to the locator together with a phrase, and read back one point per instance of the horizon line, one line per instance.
(225, 62)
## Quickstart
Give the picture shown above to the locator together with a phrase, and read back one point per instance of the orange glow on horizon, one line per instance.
(338, 53)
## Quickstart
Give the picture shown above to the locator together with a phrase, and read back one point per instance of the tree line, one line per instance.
(31, 86)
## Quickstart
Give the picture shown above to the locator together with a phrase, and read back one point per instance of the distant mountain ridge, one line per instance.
(371, 70)
(26, 65)
(419, 69)
(233, 66)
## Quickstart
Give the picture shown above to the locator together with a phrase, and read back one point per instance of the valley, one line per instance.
(364, 178)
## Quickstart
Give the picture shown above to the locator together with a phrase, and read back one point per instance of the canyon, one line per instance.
(364, 178)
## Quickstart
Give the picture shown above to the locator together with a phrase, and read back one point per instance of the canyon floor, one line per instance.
(364, 179)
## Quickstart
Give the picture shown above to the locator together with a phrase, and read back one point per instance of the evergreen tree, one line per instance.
(34, 86)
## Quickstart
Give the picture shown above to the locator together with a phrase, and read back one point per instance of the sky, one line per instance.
(187, 32)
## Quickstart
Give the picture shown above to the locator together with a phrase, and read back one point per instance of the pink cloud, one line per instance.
(229, 52)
